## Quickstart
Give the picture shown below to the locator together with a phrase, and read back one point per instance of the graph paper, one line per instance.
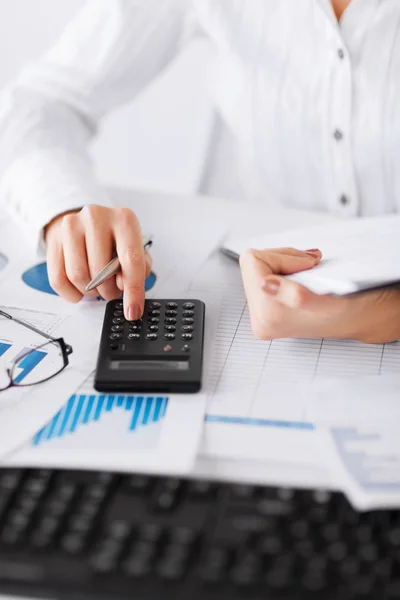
(257, 408)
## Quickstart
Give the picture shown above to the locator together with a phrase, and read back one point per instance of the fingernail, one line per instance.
(271, 286)
(314, 252)
(134, 312)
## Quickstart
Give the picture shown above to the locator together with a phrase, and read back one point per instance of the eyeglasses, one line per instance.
(35, 364)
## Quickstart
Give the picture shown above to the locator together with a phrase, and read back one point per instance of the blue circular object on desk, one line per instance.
(36, 278)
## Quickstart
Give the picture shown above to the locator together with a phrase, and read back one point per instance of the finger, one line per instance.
(294, 295)
(56, 272)
(257, 265)
(99, 248)
(294, 251)
(74, 250)
(286, 261)
(132, 258)
(120, 280)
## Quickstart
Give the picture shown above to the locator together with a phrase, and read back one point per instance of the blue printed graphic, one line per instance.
(4, 347)
(28, 363)
(254, 422)
(84, 410)
(36, 278)
(3, 261)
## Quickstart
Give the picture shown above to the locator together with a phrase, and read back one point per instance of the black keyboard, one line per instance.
(66, 534)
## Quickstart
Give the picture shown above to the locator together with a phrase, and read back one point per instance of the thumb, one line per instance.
(293, 295)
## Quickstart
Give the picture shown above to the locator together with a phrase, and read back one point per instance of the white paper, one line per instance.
(156, 433)
(24, 410)
(358, 434)
(357, 253)
(255, 408)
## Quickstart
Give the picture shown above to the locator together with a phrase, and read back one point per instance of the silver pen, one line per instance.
(112, 268)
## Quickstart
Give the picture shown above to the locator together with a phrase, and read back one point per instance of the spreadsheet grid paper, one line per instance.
(254, 379)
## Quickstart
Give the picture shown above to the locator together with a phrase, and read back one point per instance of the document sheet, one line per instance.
(357, 253)
(358, 434)
(24, 409)
(256, 409)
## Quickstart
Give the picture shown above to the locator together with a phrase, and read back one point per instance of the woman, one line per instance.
(307, 98)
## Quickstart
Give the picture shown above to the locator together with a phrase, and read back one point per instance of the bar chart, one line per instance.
(28, 362)
(86, 410)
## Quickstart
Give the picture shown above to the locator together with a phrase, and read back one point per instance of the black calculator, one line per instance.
(161, 352)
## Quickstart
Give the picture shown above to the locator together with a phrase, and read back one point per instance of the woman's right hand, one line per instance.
(80, 243)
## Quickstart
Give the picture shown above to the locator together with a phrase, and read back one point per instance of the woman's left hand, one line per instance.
(281, 308)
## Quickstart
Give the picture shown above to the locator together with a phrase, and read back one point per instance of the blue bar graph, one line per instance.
(84, 410)
(29, 363)
(4, 347)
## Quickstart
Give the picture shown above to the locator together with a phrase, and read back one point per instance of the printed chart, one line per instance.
(88, 410)
(27, 364)
(36, 277)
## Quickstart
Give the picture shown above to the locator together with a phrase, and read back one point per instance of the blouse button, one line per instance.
(341, 54)
(338, 135)
(344, 200)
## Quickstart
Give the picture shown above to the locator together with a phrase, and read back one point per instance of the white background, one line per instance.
(156, 142)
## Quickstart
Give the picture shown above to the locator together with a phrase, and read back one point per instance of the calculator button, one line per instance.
(167, 348)
(188, 313)
(118, 320)
(154, 305)
(187, 328)
(169, 336)
(185, 348)
(187, 336)
(114, 346)
(171, 313)
(154, 320)
(134, 336)
(187, 321)
(118, 305)
(151, 336)
(118, 312)
(188, 306)
(153, 327)
(172, 305)
(117, 328)
(115, 336)
(135, 327)
(137, 322)
(170, 321)
(154, 313)
(170, 328)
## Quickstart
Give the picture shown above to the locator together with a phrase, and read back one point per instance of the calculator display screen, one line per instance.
(149, 365)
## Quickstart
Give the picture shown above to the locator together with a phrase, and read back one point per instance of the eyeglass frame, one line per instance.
(66, 350)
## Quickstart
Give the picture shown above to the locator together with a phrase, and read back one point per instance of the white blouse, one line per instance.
(310, 108)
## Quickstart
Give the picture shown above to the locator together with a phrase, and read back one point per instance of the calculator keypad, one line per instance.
(172, 321)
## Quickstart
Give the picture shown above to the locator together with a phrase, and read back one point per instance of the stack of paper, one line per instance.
(358, 254)
(358, 431)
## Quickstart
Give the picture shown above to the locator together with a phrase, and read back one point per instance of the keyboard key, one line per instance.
(150, 532)
(138, 484)
(72, 543)
(136, 567)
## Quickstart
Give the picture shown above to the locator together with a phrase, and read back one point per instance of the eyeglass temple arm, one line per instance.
(32, 328)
